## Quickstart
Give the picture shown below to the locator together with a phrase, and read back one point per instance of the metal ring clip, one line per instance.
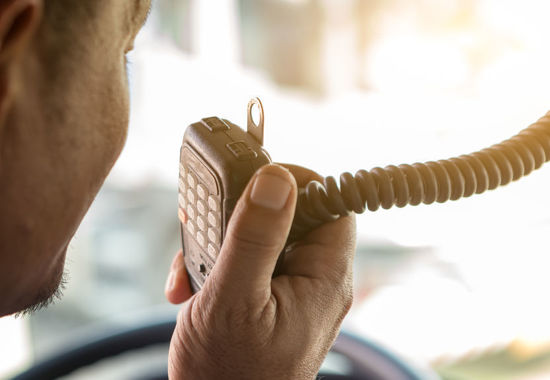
(256, 130)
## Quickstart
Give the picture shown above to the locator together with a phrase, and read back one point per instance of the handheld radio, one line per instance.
(218, 158)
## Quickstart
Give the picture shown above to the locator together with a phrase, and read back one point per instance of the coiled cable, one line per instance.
(429, 182)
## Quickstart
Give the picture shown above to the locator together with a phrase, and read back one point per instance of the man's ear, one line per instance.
(18, 21)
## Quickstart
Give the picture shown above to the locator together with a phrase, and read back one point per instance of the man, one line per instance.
(63, 119)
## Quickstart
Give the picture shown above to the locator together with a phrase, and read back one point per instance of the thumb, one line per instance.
(256, 235)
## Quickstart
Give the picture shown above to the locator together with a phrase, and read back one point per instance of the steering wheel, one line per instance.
(364, 360)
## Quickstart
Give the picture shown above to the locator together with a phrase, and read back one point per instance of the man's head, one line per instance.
(63, 120)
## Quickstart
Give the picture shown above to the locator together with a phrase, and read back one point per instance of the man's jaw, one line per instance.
(46, 293)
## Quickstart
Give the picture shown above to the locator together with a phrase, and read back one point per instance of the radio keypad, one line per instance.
(201, 239)
(213, 203)
(201, 223)
(213, 236)
(181, 201)
(191, 180)
(201, 207)
(202, 210)
(182, 216)
(191, 196)
(181, 185)
(191, 212)
(213, 220)
(190, 227)
(201, 191)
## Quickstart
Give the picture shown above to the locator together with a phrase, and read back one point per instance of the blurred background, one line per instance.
(461, 288)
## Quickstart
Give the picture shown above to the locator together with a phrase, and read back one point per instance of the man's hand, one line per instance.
(244, 324)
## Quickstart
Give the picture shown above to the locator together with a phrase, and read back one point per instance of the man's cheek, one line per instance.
(115, 121)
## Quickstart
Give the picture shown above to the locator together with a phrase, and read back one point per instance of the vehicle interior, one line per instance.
(451, 290)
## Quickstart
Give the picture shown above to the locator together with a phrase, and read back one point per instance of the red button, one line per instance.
(182, 215)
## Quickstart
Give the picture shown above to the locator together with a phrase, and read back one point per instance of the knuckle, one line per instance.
(342, 294)
(339, 273)
(347, 300)
(252, 241)
(250, 229)
(346, 297)
(237, 319)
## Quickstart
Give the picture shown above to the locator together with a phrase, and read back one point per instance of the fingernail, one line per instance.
(270, 191)
(170, 282)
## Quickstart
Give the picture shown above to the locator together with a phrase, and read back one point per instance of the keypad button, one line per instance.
(212, 250)
(182, 216)
(207, 178)
(213, 203)
(181, 185)
(191, 180)
(191, 196)
(181, 201)
(191, 227)
(201, 239)
(213, 235)
(191, 212)
(213, 220)
(201, 207)
(202, 192)
(201, 223)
